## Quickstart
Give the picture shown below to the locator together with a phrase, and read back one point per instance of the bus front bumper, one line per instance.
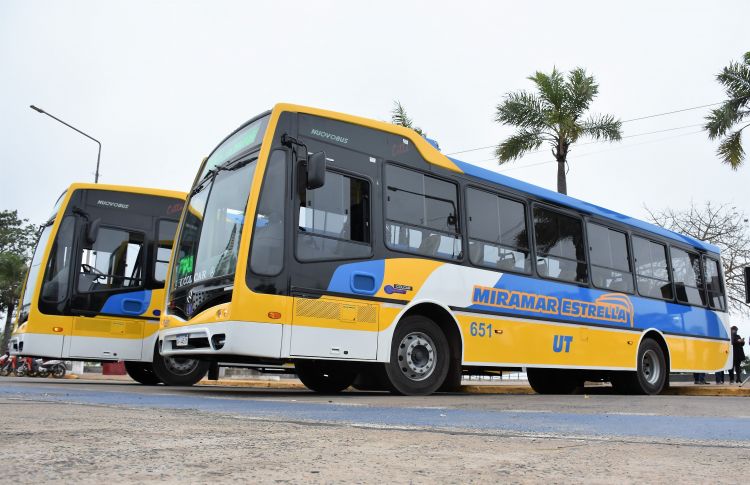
(250, 339)
(36, 345)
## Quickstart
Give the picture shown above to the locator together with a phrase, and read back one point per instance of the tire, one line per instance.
(142, 372)
(179, 371)
(58, 371)
(420, 357)
(325, 377)
(20, 371)
(652, 374)
(371, 379)
(42, 373)
(452, 381)
(554, 381)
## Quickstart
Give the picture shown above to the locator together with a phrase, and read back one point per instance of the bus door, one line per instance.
(333, 277)
(109, 297)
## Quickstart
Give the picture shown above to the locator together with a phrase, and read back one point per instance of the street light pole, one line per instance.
(98, 155)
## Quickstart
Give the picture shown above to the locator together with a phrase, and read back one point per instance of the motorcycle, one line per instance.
(55, 368)
(7, 363)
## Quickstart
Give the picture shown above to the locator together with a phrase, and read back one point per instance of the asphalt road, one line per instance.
(367, 437)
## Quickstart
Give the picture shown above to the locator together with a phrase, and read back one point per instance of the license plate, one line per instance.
(182, 340)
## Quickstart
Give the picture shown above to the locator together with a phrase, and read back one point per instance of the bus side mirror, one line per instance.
(92, 231)
(316, 170)
(747, 284)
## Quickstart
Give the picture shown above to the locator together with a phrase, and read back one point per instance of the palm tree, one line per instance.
(400, 118)
(555, 114)
(736, 81)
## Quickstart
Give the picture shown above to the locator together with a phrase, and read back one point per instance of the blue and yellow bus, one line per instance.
(95, 288)
(356, 250)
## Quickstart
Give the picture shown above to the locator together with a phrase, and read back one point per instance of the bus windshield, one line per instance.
(210, 236)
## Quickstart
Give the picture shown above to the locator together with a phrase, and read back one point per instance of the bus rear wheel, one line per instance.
(179, 371)
(142, 373)
(554, 381)
(325, 377)
(420, 357)
(651, 375)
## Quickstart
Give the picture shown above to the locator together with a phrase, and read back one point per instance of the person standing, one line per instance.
(739, 355)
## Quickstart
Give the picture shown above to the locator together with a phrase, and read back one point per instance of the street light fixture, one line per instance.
(98, 155)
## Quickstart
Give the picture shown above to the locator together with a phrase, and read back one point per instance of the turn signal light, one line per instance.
(274, 315)
(57, 329)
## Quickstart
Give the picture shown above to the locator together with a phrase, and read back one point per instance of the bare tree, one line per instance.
(724, 226)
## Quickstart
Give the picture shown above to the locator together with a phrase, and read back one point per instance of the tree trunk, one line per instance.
(6, 331)
(562, 184)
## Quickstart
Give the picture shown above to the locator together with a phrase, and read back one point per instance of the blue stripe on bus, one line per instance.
(573, 203)
(646, 312)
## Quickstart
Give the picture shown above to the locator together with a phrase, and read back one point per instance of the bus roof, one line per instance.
(435, 157)
(579, 205)
(125, 188)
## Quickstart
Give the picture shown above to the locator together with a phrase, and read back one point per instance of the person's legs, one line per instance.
(696, 378)
(731, 375)
(719, 377)
(738, 370)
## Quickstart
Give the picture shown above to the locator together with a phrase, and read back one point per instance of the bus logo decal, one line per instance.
(329, 136)
(561, 341)
(398, 289)
(610, 307)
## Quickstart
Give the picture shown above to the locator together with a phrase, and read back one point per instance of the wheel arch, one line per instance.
(444, 318)
(659, 338)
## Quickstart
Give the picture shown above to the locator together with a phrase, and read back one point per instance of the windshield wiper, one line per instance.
(227, 166)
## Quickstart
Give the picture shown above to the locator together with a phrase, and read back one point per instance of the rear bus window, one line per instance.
(498, 237)
(559, 246)
(714, 286)
(652, 274)
(688, 277)
(610, 265)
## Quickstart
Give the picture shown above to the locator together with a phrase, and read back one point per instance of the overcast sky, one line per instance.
(161, 83)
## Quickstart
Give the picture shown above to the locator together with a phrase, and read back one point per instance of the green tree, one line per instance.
(723, 122)
(556, 114)
(17, 238)
(400, 118)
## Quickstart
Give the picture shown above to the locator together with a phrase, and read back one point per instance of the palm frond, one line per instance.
(551, 88)
(521, 109)
(736, 80)
(602, 127)
(515, 146)
(399, 116)
(581, 91)
(721, 119)
(730, 150)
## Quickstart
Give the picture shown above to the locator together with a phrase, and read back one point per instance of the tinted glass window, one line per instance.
(608, 250)
(559, 246)
(267, 256)
(652, 275)
(60, 265)
(714, 285)
(113, 261)
(334, 220)
(166, 232)
(688, 277)
(422, 214)
(497, 232)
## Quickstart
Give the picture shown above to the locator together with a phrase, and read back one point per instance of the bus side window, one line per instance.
(267, 254)
(334, 220)
(165, 231)
(498, 237)
(112, 262)
(559, 246)
(713, 285)
(688, 277)
(422, 214)
(610, 265)
(652, 275)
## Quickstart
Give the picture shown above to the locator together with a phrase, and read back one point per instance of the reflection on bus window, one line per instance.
(651, 268)
(713, 285)
(166, 232)
(610, 266)
(688, 277)
(57, 275)
(559, 246)
(267, 257)
(112, 262)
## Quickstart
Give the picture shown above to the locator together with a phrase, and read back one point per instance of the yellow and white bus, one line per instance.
(356, 250)
(95, 288)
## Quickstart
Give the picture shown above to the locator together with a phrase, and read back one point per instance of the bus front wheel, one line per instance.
(420, 357)
(142, 373)
(179, 371)
(325, 377)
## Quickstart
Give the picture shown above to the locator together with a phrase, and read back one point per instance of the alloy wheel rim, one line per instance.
(416, 355)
